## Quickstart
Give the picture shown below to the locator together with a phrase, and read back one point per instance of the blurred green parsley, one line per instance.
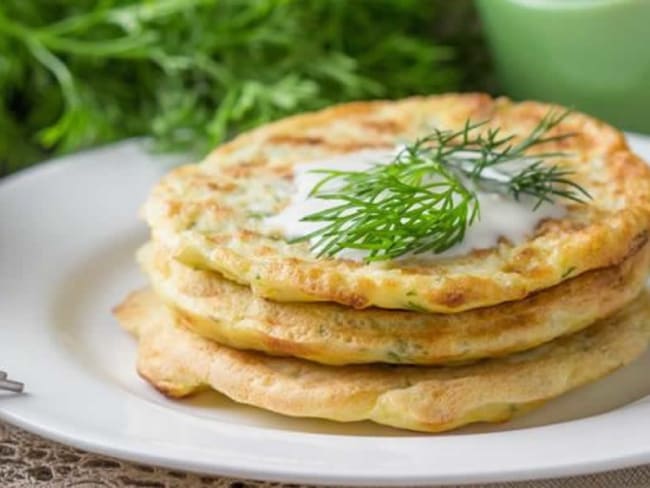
(192, 73)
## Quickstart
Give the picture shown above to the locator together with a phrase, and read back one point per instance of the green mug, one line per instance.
(592, 55)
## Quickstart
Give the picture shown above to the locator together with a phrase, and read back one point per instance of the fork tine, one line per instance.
(9, 385)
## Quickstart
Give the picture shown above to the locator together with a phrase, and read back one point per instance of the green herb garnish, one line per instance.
(192, 73)
(425, 199)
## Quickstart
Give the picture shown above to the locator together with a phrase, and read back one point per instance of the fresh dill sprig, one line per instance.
(425, 199)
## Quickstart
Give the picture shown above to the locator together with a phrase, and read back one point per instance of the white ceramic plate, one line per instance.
(68, 231)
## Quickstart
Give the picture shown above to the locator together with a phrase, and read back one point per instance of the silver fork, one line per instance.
(10, 385)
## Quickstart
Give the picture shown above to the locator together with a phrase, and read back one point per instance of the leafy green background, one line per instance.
(192, 73)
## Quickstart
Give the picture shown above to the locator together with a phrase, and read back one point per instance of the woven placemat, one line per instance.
(27, 460)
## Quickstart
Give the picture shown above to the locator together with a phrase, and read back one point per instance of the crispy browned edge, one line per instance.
(301, 330)
(430, 399)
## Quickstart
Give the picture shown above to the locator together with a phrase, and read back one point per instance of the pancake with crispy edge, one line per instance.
(211, 214)
(332, 334)
(179, 363)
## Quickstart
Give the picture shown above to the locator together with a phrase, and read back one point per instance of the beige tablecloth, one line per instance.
(30, 461)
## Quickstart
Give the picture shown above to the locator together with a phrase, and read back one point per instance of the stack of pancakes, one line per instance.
(424, 342)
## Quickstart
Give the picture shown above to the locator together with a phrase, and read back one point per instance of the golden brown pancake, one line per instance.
(211, 214)
(432, 399)
(328, 333)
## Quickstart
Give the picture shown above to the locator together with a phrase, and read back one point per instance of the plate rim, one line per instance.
(135, 455)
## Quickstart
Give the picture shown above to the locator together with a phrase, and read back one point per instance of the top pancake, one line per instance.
(210, 215)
